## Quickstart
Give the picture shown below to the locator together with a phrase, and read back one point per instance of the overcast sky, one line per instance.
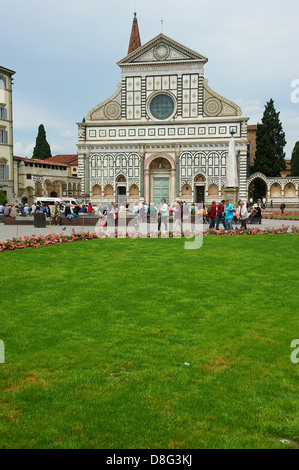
(64, 53)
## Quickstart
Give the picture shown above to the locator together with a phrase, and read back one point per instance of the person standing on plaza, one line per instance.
(282, 207)
(259, 215)
(243, 214)
(220, 215)
(33, 208)
(229, 214)
(212, 214)
(143, 212)
(55, 212)
(89, 208)
(152, 213)
(163, 215)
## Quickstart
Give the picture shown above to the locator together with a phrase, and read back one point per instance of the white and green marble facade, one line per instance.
(121, 139)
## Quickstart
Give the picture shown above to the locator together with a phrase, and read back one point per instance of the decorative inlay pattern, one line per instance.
(212, 107)
(112, 110)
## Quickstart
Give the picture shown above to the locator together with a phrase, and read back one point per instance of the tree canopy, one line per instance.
(3, 198)
(42, 149)
(295, 160)
(270, 143)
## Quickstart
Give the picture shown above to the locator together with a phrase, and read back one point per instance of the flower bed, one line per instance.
(288, 215)
(36, 241)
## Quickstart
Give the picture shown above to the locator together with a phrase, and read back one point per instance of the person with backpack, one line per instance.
(220, 215)
(212, 214)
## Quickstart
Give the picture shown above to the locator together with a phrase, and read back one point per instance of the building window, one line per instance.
(4, 170)
(162, 106)
(3, 136)
(2, 82)
(3, 112)
(28, 176)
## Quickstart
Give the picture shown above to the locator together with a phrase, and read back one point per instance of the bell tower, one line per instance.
(135, 42)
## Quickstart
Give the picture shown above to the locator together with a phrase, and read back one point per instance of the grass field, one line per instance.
(117, 344)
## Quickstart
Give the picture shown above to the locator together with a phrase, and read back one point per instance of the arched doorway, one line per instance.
(121, 191)
(159, 173)
(257, 190)
(199, 189)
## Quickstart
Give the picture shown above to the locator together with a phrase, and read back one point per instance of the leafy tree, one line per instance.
(295, 160)
(270, 142)
(3, 198)
(42, 148)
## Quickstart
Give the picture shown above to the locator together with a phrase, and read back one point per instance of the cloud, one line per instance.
(65, 53)
(23, 151)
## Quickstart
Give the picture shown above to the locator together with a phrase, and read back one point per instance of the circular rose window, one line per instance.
(162, 106)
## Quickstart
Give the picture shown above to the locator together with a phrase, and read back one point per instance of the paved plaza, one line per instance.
(10, 231)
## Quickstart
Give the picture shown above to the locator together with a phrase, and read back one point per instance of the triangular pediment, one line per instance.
(162, 49)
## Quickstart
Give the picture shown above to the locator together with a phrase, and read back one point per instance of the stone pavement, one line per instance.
(10, 231)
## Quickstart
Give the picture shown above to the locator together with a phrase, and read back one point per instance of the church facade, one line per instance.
(163, 134)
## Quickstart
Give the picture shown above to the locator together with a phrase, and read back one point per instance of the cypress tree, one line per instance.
(295, 160)
(42, 148)
(270, 142)
(3, 198)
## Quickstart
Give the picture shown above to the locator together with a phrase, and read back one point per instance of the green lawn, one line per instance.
(97, 335)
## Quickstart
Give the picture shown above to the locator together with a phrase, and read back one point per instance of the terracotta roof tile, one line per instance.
(43, 162)
(67, 159)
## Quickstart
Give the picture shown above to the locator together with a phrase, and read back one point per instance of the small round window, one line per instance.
(162, 106)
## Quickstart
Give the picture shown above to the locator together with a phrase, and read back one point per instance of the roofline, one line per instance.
(35, 160)
(159, 37)
(3, 69)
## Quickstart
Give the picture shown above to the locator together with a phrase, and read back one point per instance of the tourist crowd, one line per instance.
(222, 213)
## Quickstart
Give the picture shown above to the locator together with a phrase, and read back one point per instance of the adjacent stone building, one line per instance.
(37, 178)
(6, 132)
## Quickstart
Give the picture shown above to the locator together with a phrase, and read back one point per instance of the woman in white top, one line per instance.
(164, 214)
(243, 214)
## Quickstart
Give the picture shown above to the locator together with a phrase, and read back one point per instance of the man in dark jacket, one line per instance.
(212, 214)
(220, 215)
